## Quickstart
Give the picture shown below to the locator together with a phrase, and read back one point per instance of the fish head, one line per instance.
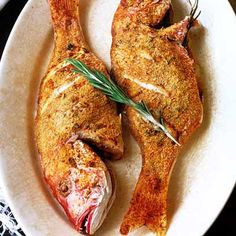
(86, 194)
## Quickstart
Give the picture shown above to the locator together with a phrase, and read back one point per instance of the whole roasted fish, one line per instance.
(151, 62)
(74, 119)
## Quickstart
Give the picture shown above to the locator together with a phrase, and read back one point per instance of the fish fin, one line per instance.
(178, 31)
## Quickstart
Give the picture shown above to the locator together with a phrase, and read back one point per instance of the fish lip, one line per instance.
(104, 209)
(84, 222)
(92, 218)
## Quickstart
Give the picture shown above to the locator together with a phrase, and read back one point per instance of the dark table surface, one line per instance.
(226, 221)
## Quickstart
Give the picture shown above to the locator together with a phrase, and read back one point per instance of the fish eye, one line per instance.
(64, 187)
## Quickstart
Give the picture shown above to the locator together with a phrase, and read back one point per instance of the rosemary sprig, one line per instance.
(193, 15)
(115, 93)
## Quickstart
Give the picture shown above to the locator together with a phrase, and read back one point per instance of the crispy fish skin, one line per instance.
(151, 64)
(72, 117)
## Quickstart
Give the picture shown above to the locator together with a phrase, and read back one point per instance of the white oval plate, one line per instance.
(204, 174)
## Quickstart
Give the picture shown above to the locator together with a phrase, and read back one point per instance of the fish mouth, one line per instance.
(84, 222)
(92, 218)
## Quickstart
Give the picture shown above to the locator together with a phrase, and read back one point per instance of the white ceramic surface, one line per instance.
(204, 174)
(3, 3)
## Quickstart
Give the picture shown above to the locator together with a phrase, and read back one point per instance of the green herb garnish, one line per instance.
(115, 93)
(193, 15)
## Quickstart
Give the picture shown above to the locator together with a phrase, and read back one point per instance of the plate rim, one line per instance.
(5, 55)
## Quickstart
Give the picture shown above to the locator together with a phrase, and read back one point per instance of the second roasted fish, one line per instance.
(151, 62)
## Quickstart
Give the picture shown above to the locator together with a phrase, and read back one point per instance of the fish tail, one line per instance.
(150, 12)
(149, 202)
(148, 206)
(64, 8)
(68, 34)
